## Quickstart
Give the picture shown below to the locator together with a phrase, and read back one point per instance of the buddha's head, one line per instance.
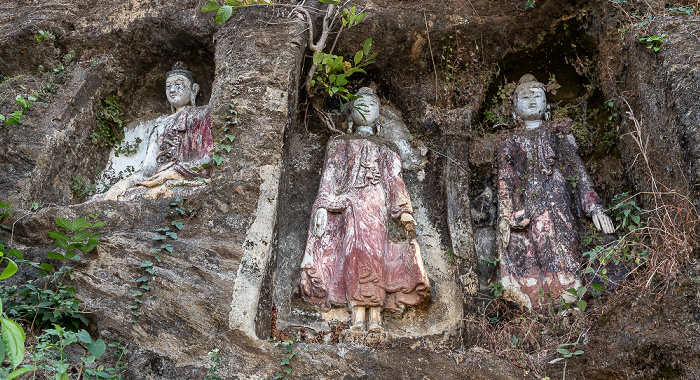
(530, 101)
(366, 105)
(180, 88)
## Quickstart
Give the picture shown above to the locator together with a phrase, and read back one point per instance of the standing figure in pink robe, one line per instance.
(538, 242)
(361, 249)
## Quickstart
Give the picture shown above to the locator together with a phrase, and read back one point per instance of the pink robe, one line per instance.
(354, 260)
(187, 142)
(541, 179)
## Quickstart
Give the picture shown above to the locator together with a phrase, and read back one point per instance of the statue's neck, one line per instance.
(365, 130)
(532, 124)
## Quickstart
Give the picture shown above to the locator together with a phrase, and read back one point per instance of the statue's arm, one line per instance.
(196, 149)
(591, 203)
(508, 218)
(334, 169)
(399, 199)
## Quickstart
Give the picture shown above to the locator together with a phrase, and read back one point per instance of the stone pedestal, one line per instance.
(378, 338)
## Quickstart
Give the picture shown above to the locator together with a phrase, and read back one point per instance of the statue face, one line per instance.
(368, 106)
(179, 91)
(531, 103)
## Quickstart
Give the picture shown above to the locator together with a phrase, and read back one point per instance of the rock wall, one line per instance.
(243, 235)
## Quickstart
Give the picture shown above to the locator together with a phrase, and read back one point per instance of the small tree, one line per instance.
(328, 75)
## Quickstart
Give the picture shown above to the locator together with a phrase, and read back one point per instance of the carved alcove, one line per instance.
(434, 323)
(133, 70)
(569, 55)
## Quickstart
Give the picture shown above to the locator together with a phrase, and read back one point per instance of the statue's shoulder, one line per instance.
(198, 111)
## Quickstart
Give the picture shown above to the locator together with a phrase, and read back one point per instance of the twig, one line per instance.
(430, 45)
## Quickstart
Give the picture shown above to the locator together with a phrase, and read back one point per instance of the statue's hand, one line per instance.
(160, 178)
(409, 224)
(320, 221)
(603, 223)
(308, 260)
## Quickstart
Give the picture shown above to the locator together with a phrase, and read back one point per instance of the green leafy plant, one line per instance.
(222, 144)
(52, 346)
(149, 267)
(496, 288)
(80, 188)
(4, 213)
(44, 35)
(529, 4)
(213, 370)
(224, 12)
(493, 261)
(331, 79)
(333, 71)
(566, 353)
(654, 42)
(12, 335)
(16, 115)
(289, 354)
(83, 237)
(127, 148)
(110, 125)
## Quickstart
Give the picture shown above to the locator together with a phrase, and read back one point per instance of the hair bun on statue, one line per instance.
(528, 81)
(180, 68)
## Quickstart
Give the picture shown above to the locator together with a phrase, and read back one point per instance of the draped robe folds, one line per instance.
(187, 143)
(538, 174)
(354, 261)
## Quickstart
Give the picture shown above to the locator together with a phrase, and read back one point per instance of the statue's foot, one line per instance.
(375, 327)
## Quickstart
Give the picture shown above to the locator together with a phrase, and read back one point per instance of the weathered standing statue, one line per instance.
(361, 249)
(538, 235)
(174, 147)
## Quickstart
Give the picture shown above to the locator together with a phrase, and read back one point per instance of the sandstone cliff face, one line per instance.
(243, 234)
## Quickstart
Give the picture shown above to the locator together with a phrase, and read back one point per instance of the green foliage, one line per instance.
(13, 337)
(50, 354)
(529, 4)
(81, 188)
(493, 261)
(654, 42)
(214, 357)
(500, 108)
(496, 288)
(127, 148)
(83, 237)
(224, 12)
(223, 144)
(164, 233)
(686, 11)
(333, 71)
(566, 353)
(350, 17)
(47, 302)
(23, 106)
(289, 354)
(110, 125)
(44, 35)
(626, 212)
(4, 213)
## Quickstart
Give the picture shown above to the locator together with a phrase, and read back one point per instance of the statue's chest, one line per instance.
(170, 142)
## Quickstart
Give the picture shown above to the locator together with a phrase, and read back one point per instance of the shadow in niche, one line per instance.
(140, 76)
(143, 86)
(570, 55)
(557, 54)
